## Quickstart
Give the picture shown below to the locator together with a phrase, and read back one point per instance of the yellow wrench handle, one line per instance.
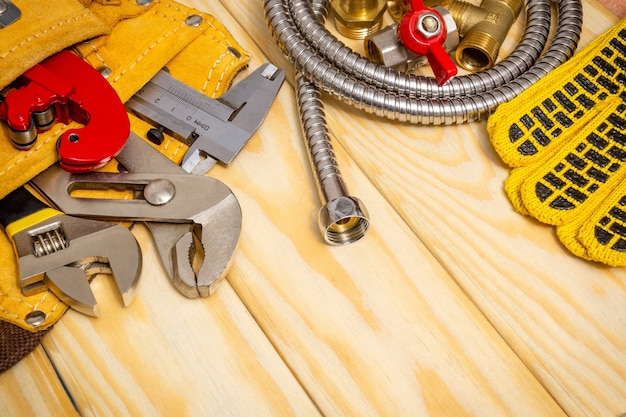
(21, 210)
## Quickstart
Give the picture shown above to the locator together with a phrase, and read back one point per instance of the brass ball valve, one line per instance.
(423, 31)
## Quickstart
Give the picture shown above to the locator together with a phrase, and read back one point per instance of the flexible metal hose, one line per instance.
(342, 219)
(335, 68)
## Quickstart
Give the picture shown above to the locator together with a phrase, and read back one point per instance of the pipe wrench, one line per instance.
(195, 221)
(64, 88)
(214, 129)
(57, 251)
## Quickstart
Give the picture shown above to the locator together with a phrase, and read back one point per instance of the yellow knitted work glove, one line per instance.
(565, 137)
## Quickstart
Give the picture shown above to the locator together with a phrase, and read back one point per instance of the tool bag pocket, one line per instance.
(128, 41)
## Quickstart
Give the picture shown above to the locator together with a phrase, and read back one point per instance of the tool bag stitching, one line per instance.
(32, 307)
(40, 143)
(223, 40)
(145, 53)
(10, 313)
(45, 31)
(54, 308)
(221, 78)
(179, 146)
(155, 12)
(95, 52)
(218, 31)
(170, 6)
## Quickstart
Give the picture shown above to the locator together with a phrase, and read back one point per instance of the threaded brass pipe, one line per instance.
(483, 29)
(356, 19)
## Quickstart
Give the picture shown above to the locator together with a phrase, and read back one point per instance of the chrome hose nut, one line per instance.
(384, 47)
(342, 218)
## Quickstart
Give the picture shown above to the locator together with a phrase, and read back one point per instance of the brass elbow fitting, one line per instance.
(483, 29)
(355, 19)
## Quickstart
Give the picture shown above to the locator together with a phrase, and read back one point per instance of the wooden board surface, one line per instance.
(452, 305)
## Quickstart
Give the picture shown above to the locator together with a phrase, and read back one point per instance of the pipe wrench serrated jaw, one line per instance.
(201, 257)
(64, 88)
(54, 250)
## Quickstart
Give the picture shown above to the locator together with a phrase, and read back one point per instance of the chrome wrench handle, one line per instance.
(201, 214)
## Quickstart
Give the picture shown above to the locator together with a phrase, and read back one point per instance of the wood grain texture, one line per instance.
(452, 305)
(563, 316)
(169, 355)
(32, 388)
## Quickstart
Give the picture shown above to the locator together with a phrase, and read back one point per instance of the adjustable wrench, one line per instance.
(190, 217)
(214, 129)
(57, 251)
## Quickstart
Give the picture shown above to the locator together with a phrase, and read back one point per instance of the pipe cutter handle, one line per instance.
(64, 88)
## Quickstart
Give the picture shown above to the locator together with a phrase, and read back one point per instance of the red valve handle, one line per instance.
(423, 32)
(70, 89)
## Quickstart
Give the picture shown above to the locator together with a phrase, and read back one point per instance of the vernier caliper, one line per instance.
(214, 129)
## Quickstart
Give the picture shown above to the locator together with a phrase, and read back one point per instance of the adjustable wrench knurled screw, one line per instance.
(53, 251)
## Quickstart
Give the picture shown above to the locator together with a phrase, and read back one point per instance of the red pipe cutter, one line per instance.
(64, 88)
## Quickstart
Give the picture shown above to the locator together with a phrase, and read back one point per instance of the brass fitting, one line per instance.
(396, 8)
(355, 19)
(384, 47)
(483, 29)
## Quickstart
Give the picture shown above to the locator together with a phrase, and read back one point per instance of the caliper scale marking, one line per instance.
(214, 129)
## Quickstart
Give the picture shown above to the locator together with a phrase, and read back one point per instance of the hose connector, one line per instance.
(483, 30)
(355, 19)
(342, 218)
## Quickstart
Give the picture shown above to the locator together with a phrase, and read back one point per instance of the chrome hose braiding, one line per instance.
(342, 219)
(376, 89)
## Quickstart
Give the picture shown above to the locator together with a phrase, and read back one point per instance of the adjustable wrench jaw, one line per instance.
(53, 249)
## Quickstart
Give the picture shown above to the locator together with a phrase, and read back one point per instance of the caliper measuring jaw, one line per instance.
(214, 129)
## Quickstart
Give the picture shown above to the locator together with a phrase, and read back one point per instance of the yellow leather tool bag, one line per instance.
(128, 41)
